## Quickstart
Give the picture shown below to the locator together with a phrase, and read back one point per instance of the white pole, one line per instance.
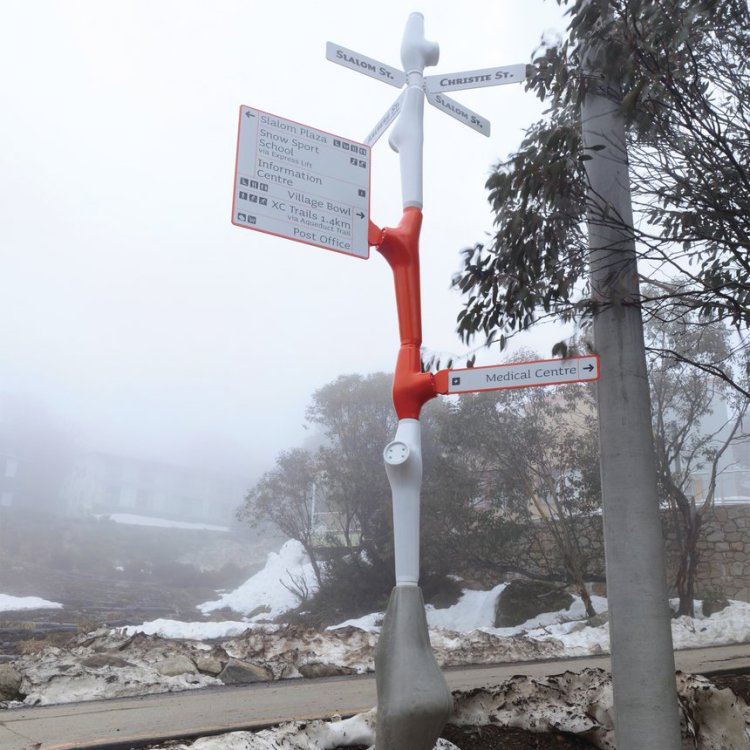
(413, 698)
(403, 464)
(407, 136)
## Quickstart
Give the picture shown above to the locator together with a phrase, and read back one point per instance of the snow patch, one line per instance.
(196, 631)
(10, 603)
(131, 519)
(267, 594)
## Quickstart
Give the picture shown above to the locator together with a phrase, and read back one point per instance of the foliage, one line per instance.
(681, 70)
(536, 453)
(354, 559)
(488, 459)
(685, 401)
(283, 496)
(355, 416)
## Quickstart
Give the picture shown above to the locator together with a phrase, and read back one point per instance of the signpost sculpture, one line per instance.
(413, 698)
(308, 185)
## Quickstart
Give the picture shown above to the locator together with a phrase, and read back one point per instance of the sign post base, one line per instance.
(414, 701)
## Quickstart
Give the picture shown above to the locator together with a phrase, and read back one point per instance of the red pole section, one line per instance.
(412, 388)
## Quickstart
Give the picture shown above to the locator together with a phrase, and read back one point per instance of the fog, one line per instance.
(135, 317)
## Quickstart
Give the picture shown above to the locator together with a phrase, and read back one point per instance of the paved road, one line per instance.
(127, 722)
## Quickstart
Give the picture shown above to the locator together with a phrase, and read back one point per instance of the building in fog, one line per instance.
(8, 477)
(35, 458)
(103, 483)
(733, 469)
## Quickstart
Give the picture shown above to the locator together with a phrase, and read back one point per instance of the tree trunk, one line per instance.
(643, 671)
(689, 557)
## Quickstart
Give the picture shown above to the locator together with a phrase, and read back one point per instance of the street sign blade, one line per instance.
(385, 121)
(519, 375)
(474, 79)
(305, 184)
(363, 64)
(462, 114)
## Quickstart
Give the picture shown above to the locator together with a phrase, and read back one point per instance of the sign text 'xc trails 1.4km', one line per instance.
(518, 375)
(301, 183)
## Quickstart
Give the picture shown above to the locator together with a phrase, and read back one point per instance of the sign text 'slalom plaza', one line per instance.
(298, 182)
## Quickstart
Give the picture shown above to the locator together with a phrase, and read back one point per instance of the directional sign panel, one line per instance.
(519, 375)
(474, 79)
(385, 120)
(356, 61)
(462, 114)
(301, 183)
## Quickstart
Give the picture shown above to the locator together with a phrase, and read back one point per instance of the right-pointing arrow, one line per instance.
(590, 368)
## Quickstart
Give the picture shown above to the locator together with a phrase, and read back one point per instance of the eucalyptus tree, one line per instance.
(696, 418)
(682, 73)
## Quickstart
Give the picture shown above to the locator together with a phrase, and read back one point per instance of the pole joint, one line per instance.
(412, 388)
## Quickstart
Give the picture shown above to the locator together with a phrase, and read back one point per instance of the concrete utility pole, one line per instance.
(645, 698)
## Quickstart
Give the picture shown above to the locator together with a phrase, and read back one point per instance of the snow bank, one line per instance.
(10, 603)
(267, 594)
(475, 609)
(314, 735)
(464, 626)
(577, 703)
(195, 631)
(730, 625)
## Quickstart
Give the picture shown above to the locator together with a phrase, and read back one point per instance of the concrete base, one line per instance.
(414, 701)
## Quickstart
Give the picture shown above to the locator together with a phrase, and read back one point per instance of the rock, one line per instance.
(10, 683)
(713, 605)
(320, 669)
(209, 664)
(238, 672)
(521, 600)
(262, 609)
(97, 661)
(175, 665)
(592, 622)
(598, 620)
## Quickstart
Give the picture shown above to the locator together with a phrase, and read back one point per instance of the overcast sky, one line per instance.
(131, 307)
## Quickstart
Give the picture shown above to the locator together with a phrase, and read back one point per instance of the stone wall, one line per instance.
(724, 546)
(724, 564)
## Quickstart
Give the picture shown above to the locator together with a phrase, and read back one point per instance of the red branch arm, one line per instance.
(412, 388)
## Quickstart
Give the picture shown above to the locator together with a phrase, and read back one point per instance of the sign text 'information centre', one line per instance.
(305, 184)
